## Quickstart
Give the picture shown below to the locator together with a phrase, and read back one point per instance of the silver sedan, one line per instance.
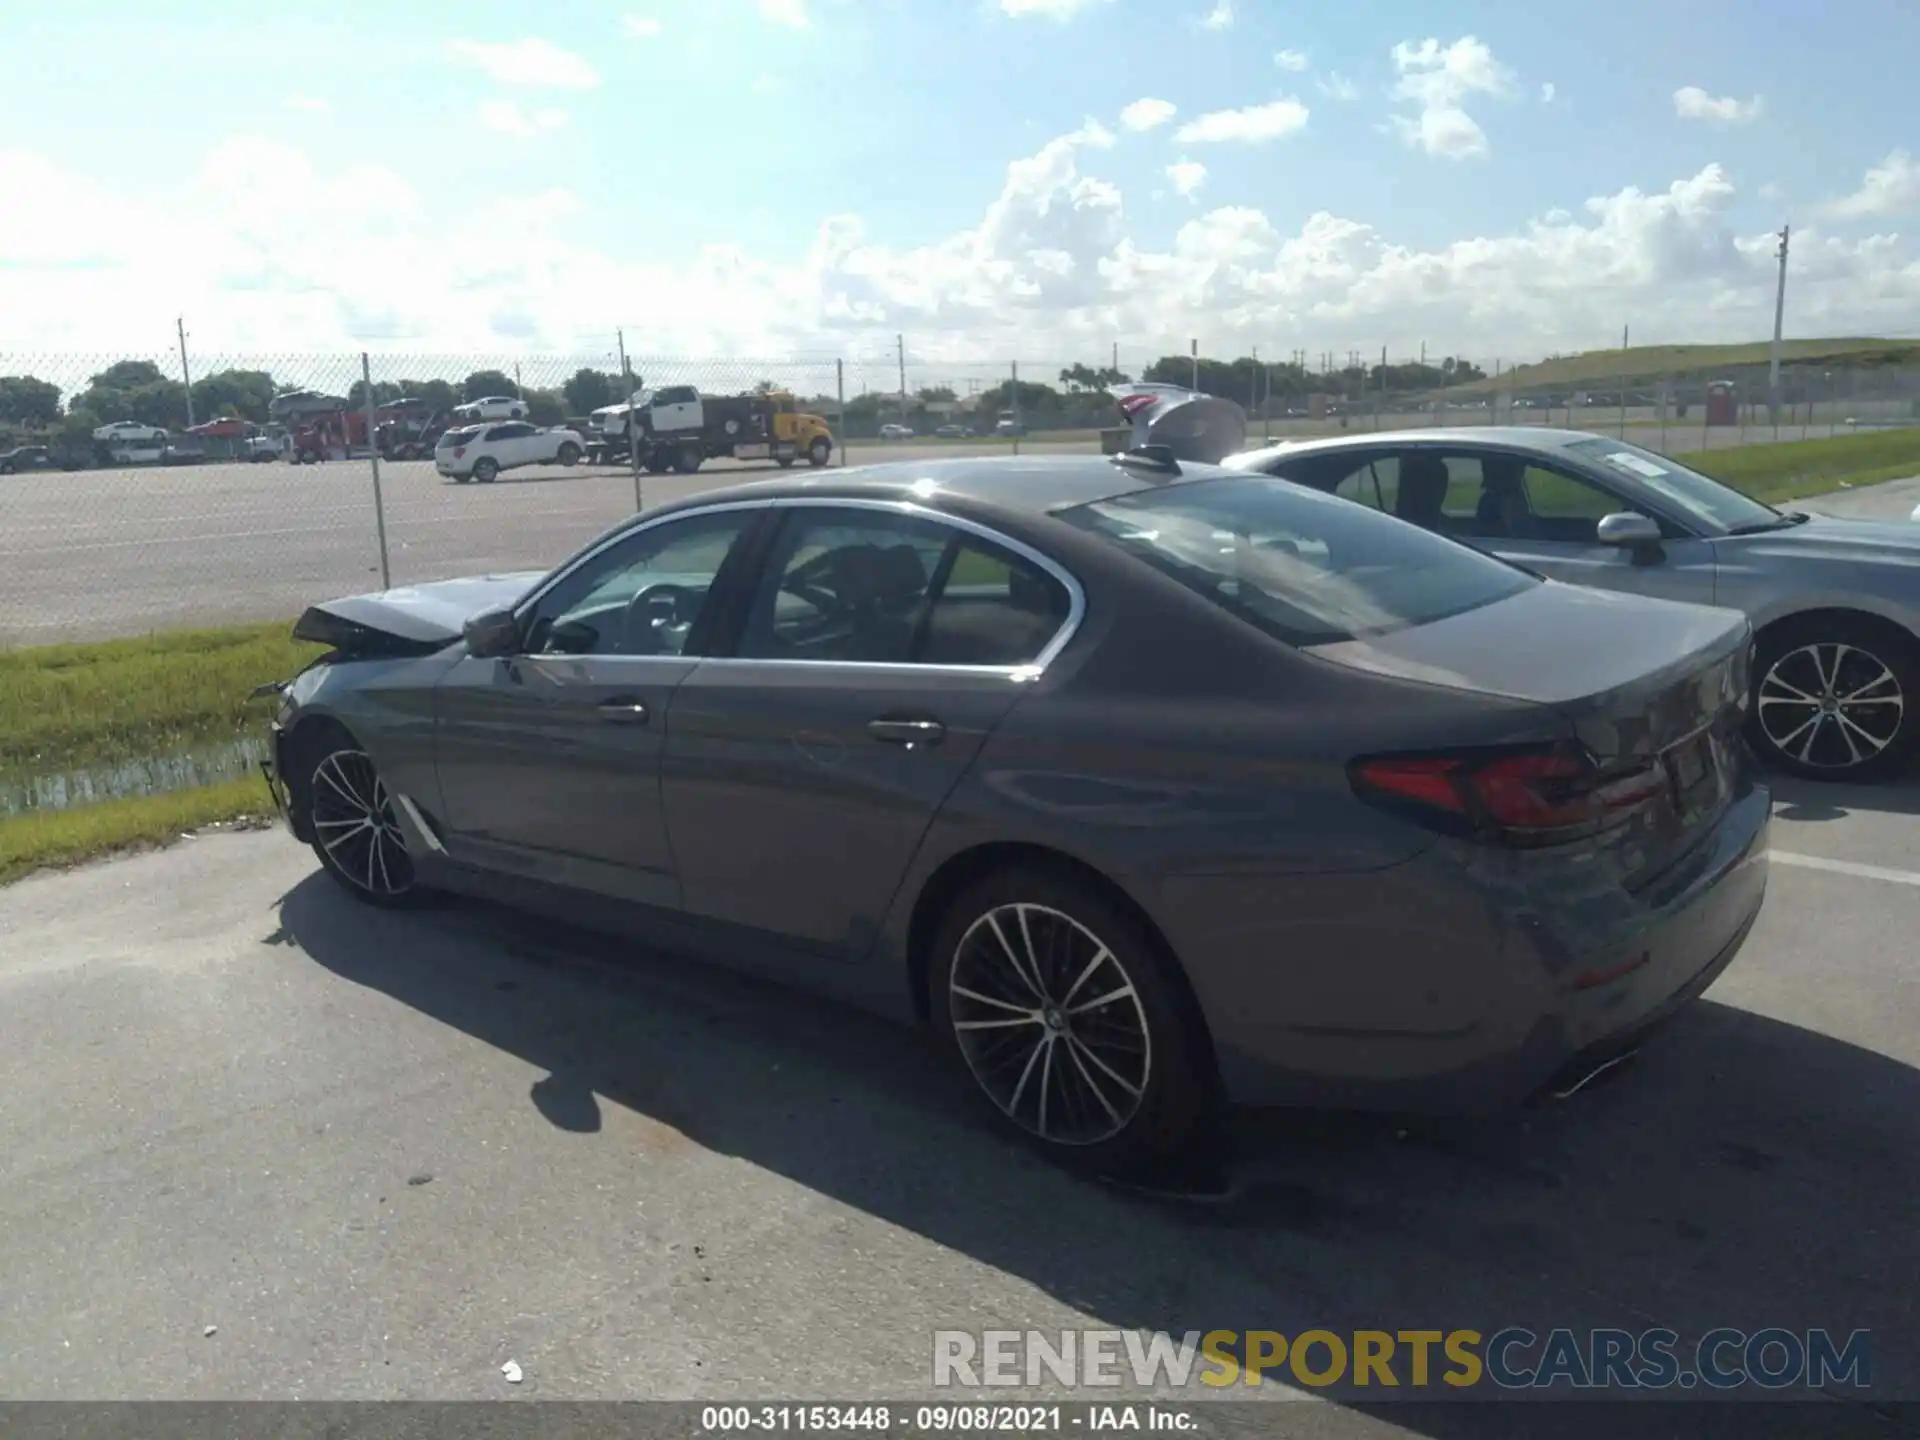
(1835, 604)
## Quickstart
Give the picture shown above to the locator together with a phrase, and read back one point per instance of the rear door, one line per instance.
(881, 647)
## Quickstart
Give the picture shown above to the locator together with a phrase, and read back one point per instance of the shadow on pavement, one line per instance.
(1816, 800)
(1741, 1172)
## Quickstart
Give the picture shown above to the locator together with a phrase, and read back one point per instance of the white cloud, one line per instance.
(312, 105)
(1890, 188)
(1290, 59)
(534, 63)
(1439, 79)
(274, 253)
(791, 13)
(1147, 114)
(1547, 92)
(1771, 191)
(640, 27)
(1336, 86)
(1047, 9)
(1255, 123)
(1187, 176)
(1690, 102)
(1220, 17)
(507, 118)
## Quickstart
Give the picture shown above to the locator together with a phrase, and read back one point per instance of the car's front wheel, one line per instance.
(356, 831)
(819, 452)
(1836, 699)
(1070, 1022)
(569, 454)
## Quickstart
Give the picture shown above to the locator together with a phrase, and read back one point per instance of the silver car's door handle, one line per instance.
(907, 732)
(624, 710)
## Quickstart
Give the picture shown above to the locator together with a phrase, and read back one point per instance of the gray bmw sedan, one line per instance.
(1143, 785)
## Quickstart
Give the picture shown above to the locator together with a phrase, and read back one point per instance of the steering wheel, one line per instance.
(656, 610)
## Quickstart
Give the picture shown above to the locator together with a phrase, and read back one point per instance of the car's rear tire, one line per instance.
(1836, 698)
(486, 471)
(819, 452)
(569, 454)
(356, 830)
(1040, 984)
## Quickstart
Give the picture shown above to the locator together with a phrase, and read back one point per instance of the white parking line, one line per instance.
(1845, 867)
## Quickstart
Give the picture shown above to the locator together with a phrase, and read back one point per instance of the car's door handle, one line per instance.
(907, 732)
(624, 710)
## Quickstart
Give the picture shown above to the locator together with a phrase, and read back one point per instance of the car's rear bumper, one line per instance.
(1546, 1012)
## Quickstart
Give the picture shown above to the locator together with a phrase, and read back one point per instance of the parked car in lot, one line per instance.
(481, 452)
(896, 432)
(129, 432)
(953, 432)
(1140, 783)
(27, 457)
(491, 407)
(1835, 604)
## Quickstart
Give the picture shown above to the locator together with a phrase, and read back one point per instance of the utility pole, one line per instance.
(1116, 357)
(900, 350)
(1779, 319)
(1196, 364)
(633, 423)
(186, 376)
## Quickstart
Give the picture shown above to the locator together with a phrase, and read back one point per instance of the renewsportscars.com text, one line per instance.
(1513, 1358)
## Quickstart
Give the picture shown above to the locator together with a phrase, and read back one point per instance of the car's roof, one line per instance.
(1032, 484)
(1538, 439)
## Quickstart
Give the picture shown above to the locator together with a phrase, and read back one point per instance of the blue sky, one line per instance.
(688, 154)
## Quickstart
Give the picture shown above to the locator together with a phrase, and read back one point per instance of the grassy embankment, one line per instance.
(74, 708)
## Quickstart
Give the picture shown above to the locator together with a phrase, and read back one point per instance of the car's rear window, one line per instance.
(461, 436)
(1307, 568)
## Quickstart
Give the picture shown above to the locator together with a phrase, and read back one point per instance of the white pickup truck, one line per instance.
(481, 452)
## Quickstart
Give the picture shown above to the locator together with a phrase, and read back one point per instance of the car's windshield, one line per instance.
(1307, 568)
(1718, 508)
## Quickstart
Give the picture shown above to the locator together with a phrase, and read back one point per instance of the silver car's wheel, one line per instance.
(1050, 1024)
(1831, 706)
(355, 828)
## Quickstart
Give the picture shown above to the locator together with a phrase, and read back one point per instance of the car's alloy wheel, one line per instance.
(1071, 1022)
(485, 470)
(569, 454)
(819, 452)
(356, 830)
(1050, 1024)
(1832, 706)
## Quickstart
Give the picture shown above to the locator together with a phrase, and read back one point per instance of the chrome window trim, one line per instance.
(1076, 596)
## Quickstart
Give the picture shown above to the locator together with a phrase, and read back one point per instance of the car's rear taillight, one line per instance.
(1132, 405)
(458, 451)
(1529, 796)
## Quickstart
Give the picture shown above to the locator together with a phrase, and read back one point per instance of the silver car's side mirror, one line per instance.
(492, 634)
(1633, 532)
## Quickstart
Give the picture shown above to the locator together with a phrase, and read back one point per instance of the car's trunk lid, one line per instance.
(1641, 684)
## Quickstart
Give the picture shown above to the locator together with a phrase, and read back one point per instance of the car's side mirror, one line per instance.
(1629, 531)
(492, 634)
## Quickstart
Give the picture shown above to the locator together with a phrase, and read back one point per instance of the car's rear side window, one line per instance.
(1307, 568)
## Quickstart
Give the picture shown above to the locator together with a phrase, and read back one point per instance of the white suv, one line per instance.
(480, 452)
(492, 407)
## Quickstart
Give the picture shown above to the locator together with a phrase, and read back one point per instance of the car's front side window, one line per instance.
(641, 596)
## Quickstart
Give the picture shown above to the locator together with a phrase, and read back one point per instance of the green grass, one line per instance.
(1795, 469)
(79, 707)
(48, 838)
(1603, 368)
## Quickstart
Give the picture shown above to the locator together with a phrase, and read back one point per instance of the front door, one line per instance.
(549, 759)
(1548, 517)
(881, 649)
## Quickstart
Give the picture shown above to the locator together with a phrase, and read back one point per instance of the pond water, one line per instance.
(153, 776)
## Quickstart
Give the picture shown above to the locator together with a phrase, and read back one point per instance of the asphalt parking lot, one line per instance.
(101, 553)
(260, 1141)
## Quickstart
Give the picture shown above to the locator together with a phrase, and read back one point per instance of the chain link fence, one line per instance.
(134, 501)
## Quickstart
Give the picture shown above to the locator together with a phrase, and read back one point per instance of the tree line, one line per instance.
(139, 390)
